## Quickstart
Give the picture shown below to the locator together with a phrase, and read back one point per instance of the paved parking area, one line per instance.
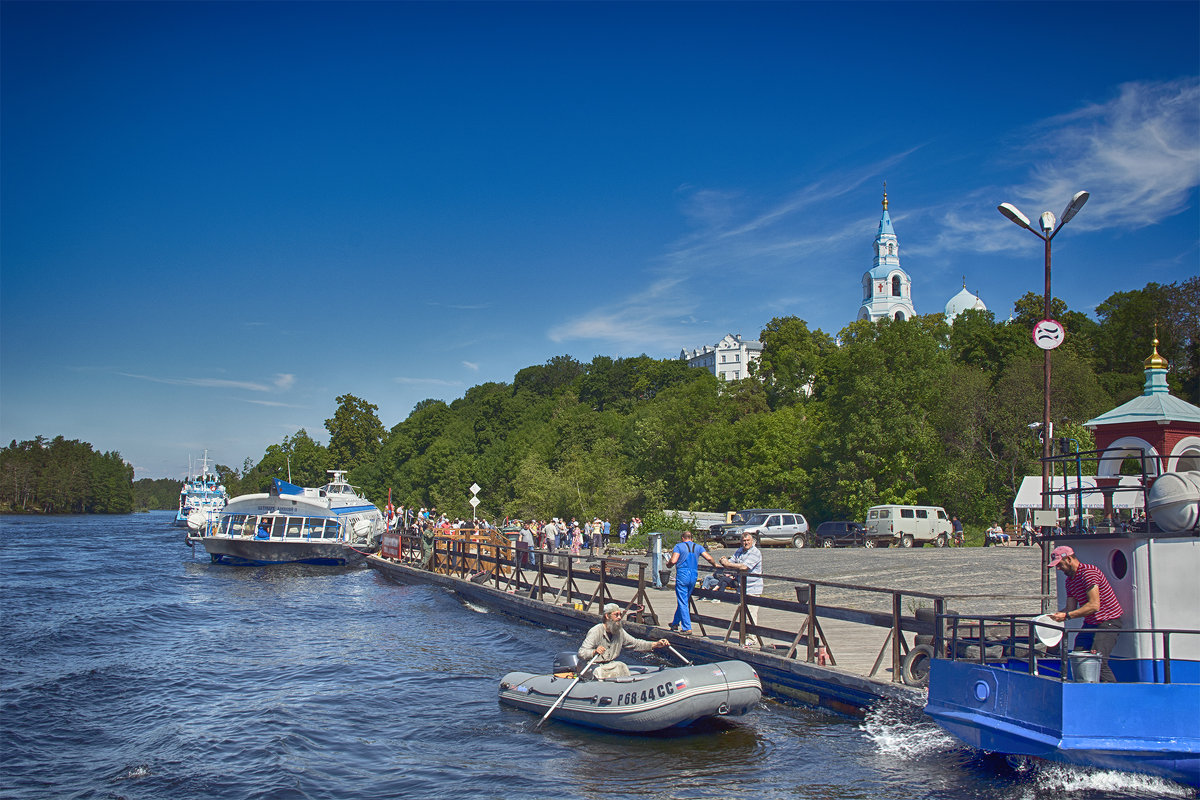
(1012, 572)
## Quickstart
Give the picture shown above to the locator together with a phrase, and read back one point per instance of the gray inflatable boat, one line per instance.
(651, 699)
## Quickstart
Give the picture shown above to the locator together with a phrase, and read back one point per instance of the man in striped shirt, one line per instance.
(1090, 596)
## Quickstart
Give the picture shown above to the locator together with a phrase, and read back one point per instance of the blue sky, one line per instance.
(218, 217)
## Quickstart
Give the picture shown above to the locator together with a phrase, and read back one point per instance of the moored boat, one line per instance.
(200, 499)
(332, 525)
(650, 699)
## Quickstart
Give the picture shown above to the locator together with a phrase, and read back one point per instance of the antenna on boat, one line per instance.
(289, 460)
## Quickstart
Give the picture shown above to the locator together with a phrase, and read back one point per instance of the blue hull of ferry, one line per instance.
(1138, 727)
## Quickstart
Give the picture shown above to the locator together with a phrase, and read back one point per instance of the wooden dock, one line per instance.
(843, 651)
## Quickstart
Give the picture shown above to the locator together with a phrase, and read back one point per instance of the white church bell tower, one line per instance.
(887, 289)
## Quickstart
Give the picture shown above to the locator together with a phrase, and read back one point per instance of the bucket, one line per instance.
(1085, 666)
(1047, 631)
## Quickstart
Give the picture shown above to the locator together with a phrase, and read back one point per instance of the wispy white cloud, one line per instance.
(272, 403)
(280, 383)
(731, 232)
(471, 365)
(1136, 154)
(657, 314)
(406, 381)
(210, 383)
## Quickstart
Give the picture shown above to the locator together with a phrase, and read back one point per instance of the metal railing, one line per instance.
(970, 636)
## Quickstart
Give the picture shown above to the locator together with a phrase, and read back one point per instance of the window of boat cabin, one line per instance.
(237, 523)
(906, 513)
(278, 524)
(293, 525)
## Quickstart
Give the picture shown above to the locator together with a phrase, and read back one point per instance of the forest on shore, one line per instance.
(918, 411)
(64, 476)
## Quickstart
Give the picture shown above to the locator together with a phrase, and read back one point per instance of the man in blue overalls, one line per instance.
(685, 557)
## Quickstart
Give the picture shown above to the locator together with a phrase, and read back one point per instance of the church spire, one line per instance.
(885, 221)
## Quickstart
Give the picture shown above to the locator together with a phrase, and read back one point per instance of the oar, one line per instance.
(563, 696)
(681, 656)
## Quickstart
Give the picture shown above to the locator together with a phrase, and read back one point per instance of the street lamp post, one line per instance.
(1047, 233)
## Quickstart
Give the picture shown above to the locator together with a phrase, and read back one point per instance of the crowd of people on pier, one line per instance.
(554, 534)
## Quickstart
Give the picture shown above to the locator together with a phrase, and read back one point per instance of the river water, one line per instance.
(131, 667)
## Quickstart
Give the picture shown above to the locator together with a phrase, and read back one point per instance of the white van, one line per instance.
(910, 525)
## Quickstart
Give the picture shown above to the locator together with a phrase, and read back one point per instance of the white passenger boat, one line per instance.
(201, 499)
(332, 525)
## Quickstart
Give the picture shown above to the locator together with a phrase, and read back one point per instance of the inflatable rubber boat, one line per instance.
(650, 699)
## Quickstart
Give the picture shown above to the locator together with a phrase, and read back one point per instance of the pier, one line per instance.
(831, 629)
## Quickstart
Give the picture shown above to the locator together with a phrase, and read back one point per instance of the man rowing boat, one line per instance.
(607, 639)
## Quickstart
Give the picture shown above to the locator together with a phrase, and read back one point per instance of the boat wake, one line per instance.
(903, 731)
(1053, 779)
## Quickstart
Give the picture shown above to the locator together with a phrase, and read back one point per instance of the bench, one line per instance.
(613, 567)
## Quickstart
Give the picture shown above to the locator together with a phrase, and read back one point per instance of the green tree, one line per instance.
(545, 379)
(355, 432)
(790, 364)
(880, 443)
(298, 459)
(1129, 323)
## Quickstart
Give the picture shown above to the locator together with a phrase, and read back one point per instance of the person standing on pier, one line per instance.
(685, 557)
(1089, 595)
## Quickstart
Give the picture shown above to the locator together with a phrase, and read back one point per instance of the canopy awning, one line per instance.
(1127, 496)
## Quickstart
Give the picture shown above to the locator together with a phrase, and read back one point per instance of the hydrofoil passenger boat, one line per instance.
(331, 525)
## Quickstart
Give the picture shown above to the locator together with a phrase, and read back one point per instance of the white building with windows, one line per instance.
(729, 359)
(887, 289)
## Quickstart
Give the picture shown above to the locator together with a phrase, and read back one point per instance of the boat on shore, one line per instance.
(201, 499)
(332, 526)
(650, 699)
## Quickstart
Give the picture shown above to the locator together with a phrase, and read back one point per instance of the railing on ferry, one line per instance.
(975, 634)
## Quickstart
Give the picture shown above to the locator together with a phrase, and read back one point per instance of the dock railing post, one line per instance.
(939, 626)
(897, 637)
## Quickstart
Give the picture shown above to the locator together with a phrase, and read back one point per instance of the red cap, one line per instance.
(1056, 555)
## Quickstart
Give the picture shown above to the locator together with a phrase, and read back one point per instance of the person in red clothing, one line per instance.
(1090, 596)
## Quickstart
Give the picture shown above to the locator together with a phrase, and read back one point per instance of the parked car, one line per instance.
(844, 533)
(716, 534)
(910, 526)
(770, 527)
